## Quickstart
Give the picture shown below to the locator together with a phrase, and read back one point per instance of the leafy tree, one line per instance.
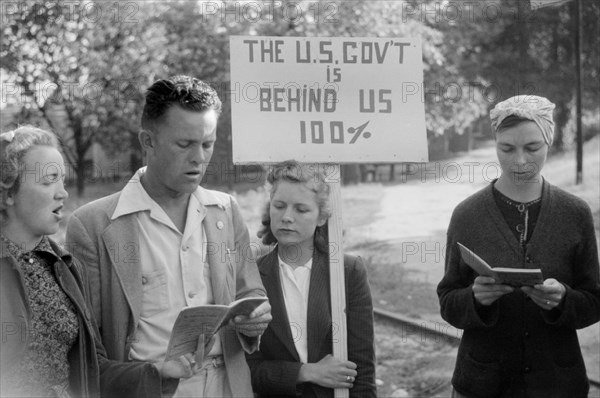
(89, 63)
(81, 70)
(519, 50)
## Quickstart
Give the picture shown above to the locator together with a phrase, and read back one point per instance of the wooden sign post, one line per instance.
(328, 101)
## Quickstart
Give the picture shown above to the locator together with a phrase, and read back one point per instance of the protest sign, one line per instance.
(327, 100)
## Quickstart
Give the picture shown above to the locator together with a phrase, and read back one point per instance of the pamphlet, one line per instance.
(192, 322)
(508, 276)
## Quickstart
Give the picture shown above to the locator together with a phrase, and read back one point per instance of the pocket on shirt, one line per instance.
(571, 379)
(481, 379)
(155, 296)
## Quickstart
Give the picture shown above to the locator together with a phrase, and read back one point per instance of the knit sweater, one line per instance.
(514, 348)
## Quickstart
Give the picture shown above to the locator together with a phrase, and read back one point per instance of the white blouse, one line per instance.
(295, 285)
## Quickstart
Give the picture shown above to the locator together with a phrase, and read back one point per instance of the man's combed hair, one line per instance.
(187, 92)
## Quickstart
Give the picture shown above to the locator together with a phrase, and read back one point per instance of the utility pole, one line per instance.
(578, 45)
(537, 4)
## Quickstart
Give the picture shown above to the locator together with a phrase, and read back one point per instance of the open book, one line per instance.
(205, 320)
(508, 276)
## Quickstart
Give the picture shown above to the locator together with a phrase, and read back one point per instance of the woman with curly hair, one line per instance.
(295, 354)
(49, 345)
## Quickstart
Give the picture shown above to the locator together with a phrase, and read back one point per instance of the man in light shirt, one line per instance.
(164, 243)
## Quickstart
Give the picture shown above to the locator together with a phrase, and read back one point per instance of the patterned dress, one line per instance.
(53, 325)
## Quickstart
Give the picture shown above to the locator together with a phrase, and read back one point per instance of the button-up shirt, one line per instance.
(175, 273)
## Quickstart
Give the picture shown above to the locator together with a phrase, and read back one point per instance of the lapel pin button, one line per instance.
(220, 224)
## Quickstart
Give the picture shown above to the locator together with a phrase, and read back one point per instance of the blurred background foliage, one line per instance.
(81, 68)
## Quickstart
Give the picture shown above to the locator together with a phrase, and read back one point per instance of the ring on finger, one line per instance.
(349, 379)
(547, 302)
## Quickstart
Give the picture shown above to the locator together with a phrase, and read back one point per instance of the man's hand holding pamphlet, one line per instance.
(195, 326)
(509, 276)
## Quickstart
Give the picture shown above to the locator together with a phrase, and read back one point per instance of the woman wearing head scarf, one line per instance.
(522, 341)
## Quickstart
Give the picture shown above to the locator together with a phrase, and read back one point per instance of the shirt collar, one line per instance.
(134, 197)
(44, 247)
(308, 264)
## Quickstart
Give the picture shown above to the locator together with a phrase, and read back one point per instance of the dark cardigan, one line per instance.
(513, 348)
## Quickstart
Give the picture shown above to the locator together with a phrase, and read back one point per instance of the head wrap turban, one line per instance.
(530, 107)
(8, 136)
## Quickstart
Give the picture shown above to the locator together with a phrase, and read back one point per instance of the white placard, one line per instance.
(327, 100)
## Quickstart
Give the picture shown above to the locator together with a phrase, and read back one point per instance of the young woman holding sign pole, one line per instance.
(522, 341)
(295, 354)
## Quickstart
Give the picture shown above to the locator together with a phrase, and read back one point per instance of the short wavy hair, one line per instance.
(299, 173)
(187, 92)
(14, 145)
